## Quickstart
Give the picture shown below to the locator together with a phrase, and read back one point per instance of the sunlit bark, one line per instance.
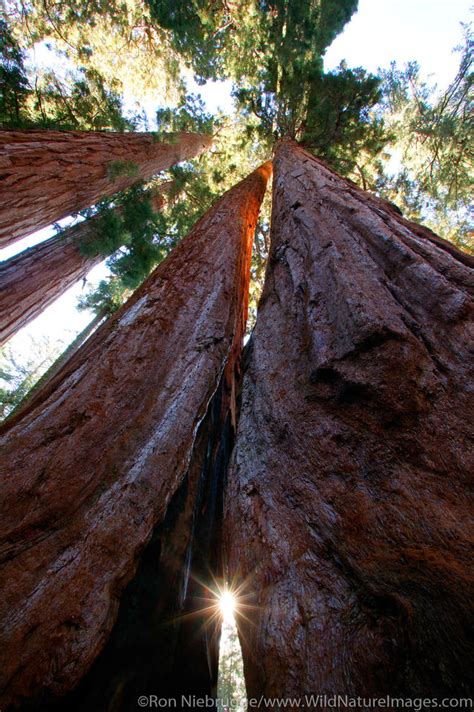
(90, 466)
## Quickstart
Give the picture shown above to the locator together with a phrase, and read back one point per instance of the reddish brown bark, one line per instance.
(347, 507)
(35, 278)
(165, 639)
(47, 175)
(92, 462)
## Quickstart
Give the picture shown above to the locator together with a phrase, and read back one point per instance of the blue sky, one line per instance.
(381, 31)
(403, 30)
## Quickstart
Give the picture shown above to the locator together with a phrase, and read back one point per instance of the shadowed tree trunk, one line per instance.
(92, 462)
(166, 637)
(47, 175)
(35, 278)
(347, 506)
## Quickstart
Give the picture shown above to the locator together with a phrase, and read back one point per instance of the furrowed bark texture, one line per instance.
(348, 500)
(92, 462)
(165, 638)
(47, 175)
(35, 278)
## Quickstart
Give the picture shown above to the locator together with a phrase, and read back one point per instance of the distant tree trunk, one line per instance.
(35, 278)
(90, 466)
(47, 175)
(347, 506)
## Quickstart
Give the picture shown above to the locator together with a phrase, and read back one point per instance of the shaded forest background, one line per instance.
(273, 53)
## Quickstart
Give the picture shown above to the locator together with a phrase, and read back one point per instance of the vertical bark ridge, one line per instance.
(165, 640)
(349, 489)
(48, 175)
(92, 462)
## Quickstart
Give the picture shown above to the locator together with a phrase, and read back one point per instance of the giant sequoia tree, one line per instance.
(323, 473)
(35, 278)
(47, 175)
(351, 469)
(141, 384)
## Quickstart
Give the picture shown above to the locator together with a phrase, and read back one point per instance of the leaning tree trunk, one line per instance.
(347, 508)
(35, 278)
(92, 463)
(47, 175)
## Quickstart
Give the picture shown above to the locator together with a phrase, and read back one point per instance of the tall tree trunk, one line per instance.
(91, 465)
(347, 507)
(166, 636)
(35, 278)
(47, 175)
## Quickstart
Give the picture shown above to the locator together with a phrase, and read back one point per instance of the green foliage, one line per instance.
(434, 134)
(42, 100)
(289, 94)
(144, 249)
(291, 40)
(81, 102)
(130, 233)
(14, 87)
(333, 16)
(199, 31)
(107, 236)
(453, 224)
(191, 115)
(117, 169)
(339, 123)
(115, 38)
(431, 136)
(106, 298)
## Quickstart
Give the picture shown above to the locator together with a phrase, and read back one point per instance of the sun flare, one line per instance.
(227, 604)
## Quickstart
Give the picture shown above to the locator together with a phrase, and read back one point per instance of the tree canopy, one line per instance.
(392, 132)
(432, 137)
(79, 100)
(272, 51)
